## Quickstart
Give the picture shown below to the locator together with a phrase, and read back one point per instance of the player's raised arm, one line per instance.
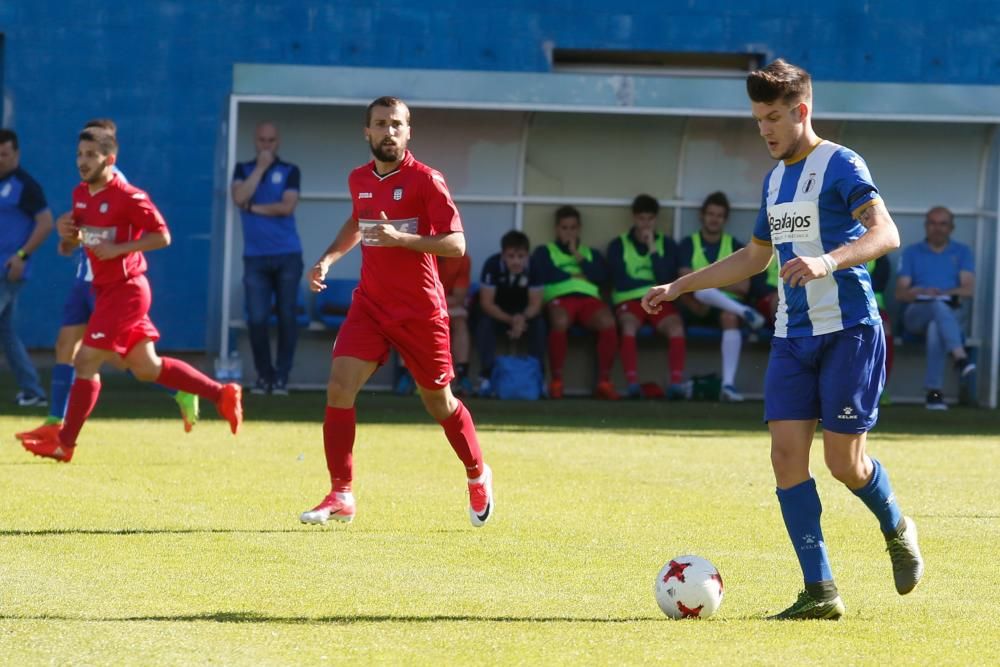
(348, 237)
(745, 262)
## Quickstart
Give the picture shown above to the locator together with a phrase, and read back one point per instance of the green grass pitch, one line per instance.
(156, 547)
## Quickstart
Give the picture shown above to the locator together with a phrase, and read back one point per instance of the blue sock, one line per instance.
(878, 496)
(168, 390)
(62, 380)
(801, 509)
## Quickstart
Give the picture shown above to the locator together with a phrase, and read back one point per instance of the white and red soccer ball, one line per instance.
(689, 587)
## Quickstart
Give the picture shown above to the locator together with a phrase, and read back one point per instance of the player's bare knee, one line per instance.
(786, 461)
(339, 394)
(145, 372)
(728, 320)
(439, 404)
(847, 470)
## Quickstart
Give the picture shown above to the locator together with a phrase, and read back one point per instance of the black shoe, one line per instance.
(935, 401)
(25, 400)
(280, 388)
(965, 367)
(261, 387)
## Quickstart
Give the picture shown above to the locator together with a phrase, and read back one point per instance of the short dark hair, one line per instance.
(645, 204)
(105, 140)
(103, 123)
(568, 211)
(9, 137)
(779, 80)
(717, 198)
(386, 101)
(515, 239)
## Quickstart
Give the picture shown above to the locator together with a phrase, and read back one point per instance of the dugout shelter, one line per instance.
(514, 146)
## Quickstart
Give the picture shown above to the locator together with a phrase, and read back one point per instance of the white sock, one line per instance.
(714, 297)
(481, 479)
(345, 496)
(732, 343)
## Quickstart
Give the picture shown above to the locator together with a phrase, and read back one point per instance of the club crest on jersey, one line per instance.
(397, 194)
(276, 177)
(793, 222)
(810, 183)
(5, 192)
(103, 208)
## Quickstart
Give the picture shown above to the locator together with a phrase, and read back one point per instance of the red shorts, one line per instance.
(634, 307)
(120, 320)
(424, 344)
(580, 307)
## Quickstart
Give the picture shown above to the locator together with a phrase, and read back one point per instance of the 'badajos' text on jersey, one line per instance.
(808, 209)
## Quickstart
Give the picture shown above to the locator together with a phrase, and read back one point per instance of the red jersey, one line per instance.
(116, 214)
(454, 272)
(396, 282)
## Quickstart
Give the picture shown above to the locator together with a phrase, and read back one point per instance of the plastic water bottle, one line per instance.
(235, 367)
(222, 369)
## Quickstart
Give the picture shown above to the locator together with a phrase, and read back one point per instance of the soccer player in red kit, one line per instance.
(116, 223)
(403, 215)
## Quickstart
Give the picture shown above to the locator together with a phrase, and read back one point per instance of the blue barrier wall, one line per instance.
(163, 71)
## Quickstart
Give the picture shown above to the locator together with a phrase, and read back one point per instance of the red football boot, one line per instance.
(230, 405)
(48, 446)
(38, 433)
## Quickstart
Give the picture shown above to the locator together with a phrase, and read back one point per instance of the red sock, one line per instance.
(82, 399)
(181, 376)
(557, 353)
(338, 443)
(607, 344)
(630, 359)
(890, 353)
(461, 433)
(677, 355)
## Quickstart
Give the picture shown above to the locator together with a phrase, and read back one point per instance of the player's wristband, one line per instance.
(831, 264)
(22, 254)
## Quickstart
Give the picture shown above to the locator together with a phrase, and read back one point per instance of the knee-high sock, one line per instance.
(338, 444)
(801, 510)
(557, 353)
(878, 496)
(62, 380)
(677, 356)
(176, 374)
(716, 298)
(607, 344)
(732, 343)
(630, 359)
(461, 433)
(890, 352)
(82, 399)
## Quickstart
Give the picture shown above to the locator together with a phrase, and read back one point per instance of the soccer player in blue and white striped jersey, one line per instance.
(821, 219)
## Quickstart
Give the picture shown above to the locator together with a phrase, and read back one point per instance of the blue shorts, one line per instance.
(79, 304)
(836, 378)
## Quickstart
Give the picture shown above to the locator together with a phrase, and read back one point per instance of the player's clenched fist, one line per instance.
(66, 228)
(317, 277)
(800, 270)
(657, 295)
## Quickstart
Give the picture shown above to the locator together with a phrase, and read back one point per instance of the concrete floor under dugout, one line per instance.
(516, 146)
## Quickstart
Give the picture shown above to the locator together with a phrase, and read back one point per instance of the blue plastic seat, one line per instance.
(331, 305)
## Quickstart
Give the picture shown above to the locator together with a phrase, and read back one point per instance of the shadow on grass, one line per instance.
(301, 530)
(122, 399)
(339, 619)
